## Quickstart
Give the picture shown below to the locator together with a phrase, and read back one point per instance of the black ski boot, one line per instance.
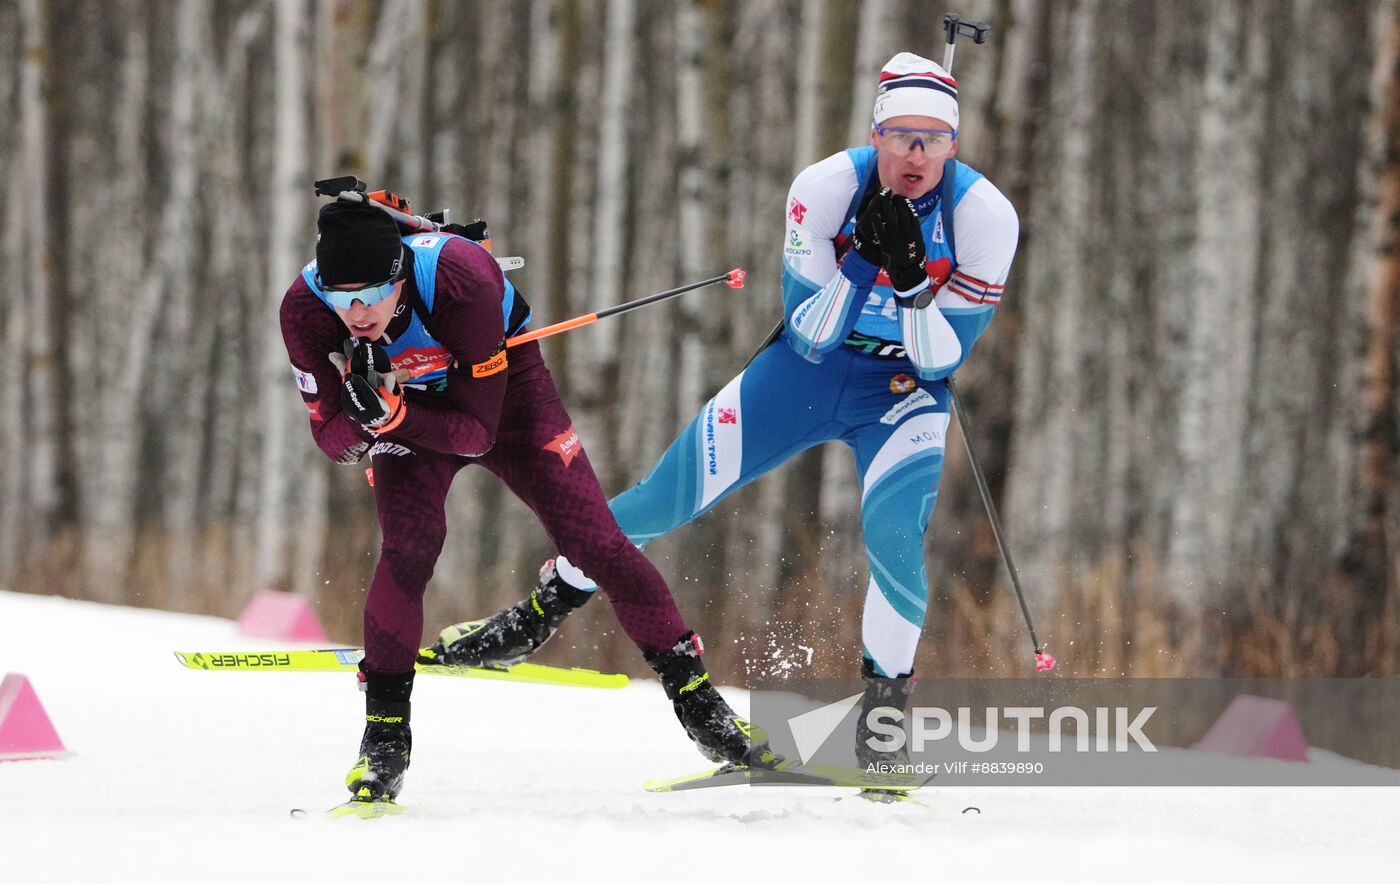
(387, 741)
(508, 637)
(891, 696)
(719, 734)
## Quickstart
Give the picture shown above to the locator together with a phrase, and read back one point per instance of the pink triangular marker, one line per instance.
(25, 729)
(280, 615)
(1257, 727)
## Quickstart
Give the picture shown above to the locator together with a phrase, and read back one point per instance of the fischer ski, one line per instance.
(348, 660)
(367, 810)
(732, 775)
(792, 773)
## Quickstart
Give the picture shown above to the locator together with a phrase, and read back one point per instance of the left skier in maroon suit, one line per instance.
(397, 344)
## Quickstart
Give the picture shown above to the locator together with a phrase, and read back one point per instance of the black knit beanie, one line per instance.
(358, 244)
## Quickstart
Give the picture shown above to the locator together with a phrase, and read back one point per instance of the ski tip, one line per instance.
(885, 796)
(676, 783)
(725, 775)
(609, 680)
(366, 810)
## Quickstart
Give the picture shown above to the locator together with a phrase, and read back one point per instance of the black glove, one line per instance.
(371, 393)
(366, 359)
(865, 239)
(897, 229)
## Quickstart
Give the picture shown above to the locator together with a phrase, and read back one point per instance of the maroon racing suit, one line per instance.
(509, 420)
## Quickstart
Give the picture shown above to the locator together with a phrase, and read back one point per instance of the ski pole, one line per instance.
(1043, 660)
(955, 26)
(734, 279)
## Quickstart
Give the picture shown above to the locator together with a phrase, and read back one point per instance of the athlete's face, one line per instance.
(918, 171)
(371, 321)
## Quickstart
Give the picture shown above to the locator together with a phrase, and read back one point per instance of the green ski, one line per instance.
(348, 660)
(367, 810)
(789, 773)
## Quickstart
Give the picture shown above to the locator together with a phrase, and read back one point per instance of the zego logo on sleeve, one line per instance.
(494, 365)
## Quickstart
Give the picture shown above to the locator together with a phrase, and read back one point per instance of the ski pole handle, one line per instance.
(550, 330)
(955, 26)
(734, 279)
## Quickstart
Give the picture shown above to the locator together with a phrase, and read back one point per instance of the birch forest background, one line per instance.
(1187, 404)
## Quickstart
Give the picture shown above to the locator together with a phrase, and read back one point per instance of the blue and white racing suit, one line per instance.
(854, 367)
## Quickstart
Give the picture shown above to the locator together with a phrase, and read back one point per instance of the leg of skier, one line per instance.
(541, 459)
(899, 457)
(409, 492)
(899, 468)
(776, 408)
(780, 406)
(544, 463)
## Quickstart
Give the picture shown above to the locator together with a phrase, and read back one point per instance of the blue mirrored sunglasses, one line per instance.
(900, 141)
(369, 295)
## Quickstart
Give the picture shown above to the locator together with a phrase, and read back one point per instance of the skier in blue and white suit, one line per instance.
(877, 350)
(882, 302)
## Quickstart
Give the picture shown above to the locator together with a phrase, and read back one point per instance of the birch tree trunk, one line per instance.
(808, 97)
(287, 213)
(132, 291)
(1374, 557)
(12, 308)
(594, 364)
(390, 69)
(545, 42)
(649, 415)
(183, 381)
(872, 34)
(762, 203)
(41, 371)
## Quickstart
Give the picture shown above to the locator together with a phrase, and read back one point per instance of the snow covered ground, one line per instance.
(181, 775)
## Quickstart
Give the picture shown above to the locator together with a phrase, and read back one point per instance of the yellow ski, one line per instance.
(367, 810)
(348, 660)
(790, 773)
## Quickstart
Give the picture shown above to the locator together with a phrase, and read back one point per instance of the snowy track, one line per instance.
(190, 776)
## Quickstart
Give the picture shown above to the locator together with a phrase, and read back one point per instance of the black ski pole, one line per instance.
(1043, 660)
(955, 26)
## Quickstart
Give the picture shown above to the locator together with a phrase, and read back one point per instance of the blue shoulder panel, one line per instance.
(426, 248)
